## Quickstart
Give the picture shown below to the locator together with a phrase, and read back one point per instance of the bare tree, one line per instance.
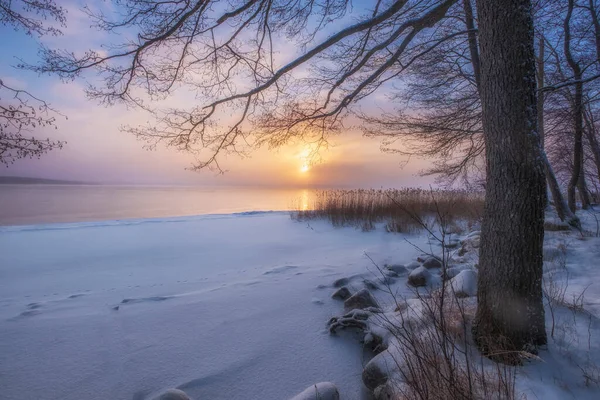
(20, 111)
(577, 177)
(560, 205)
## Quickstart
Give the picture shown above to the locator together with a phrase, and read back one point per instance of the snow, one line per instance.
(319, 391)
(465, 283)
(221, 307)
(236, 307)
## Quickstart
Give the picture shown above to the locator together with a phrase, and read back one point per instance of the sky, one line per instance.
(98, 151)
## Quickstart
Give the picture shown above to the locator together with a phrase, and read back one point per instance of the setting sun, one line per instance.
(304, 168)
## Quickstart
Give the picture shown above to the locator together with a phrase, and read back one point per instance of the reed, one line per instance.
(396, 208)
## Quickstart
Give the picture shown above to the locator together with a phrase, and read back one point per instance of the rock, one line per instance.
(342, 293)
(474, 233)
(397, 268)
(374, 341)
(370, 284)
(390, 273)
(385, 392)
(341, 282)
(465, 283)
(378, 370)
(452, 244)
(471, 242)
(387, 280)
(173, 394)
(432, 262)
(319, 391)
(413, 265)
(419, 277)
(361, 300)
(451, 272)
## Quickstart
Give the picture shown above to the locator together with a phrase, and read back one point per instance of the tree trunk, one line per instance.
(472, 37)
(584, 192)
(540, 75)
(510, 312)
(577, 110)
(590, 133)
(594, 15)
(560, 205)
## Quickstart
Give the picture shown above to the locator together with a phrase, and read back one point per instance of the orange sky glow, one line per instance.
(97, 151)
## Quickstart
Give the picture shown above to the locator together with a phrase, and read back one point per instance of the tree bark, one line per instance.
(577, 180)
(510, 312)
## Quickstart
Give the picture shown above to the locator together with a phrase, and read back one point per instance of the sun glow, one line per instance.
(305, 156)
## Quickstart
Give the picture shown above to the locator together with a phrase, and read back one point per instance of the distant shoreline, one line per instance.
(21, 180)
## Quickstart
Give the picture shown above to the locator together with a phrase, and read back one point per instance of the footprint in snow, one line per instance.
(279, 270)
(145, 299)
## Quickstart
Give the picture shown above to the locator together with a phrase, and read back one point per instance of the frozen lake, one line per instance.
(35, 204)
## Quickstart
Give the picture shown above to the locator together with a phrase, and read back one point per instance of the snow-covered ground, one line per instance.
(230, 307)
(223, 307)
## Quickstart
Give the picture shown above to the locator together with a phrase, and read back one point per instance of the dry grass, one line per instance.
(396, 208)
(436, 357)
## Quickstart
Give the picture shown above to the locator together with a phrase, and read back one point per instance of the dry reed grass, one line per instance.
(364, 208)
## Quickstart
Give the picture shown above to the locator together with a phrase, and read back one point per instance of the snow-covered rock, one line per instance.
(397, 268)
(385, 392)
(173, 394)
(319, 391)
(452, 244)
(378, 370)
(465, 283)
(432, 262)
(340, 282)
(474, 233)
(360, 300)
(471, 242)
(370, 284)
(342, 293)
(451, 272)
(419, 277)
(413, 265)
(389, 272)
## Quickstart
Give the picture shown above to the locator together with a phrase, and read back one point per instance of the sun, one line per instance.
(304, 168)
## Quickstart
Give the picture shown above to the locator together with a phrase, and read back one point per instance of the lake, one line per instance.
(40, 204)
